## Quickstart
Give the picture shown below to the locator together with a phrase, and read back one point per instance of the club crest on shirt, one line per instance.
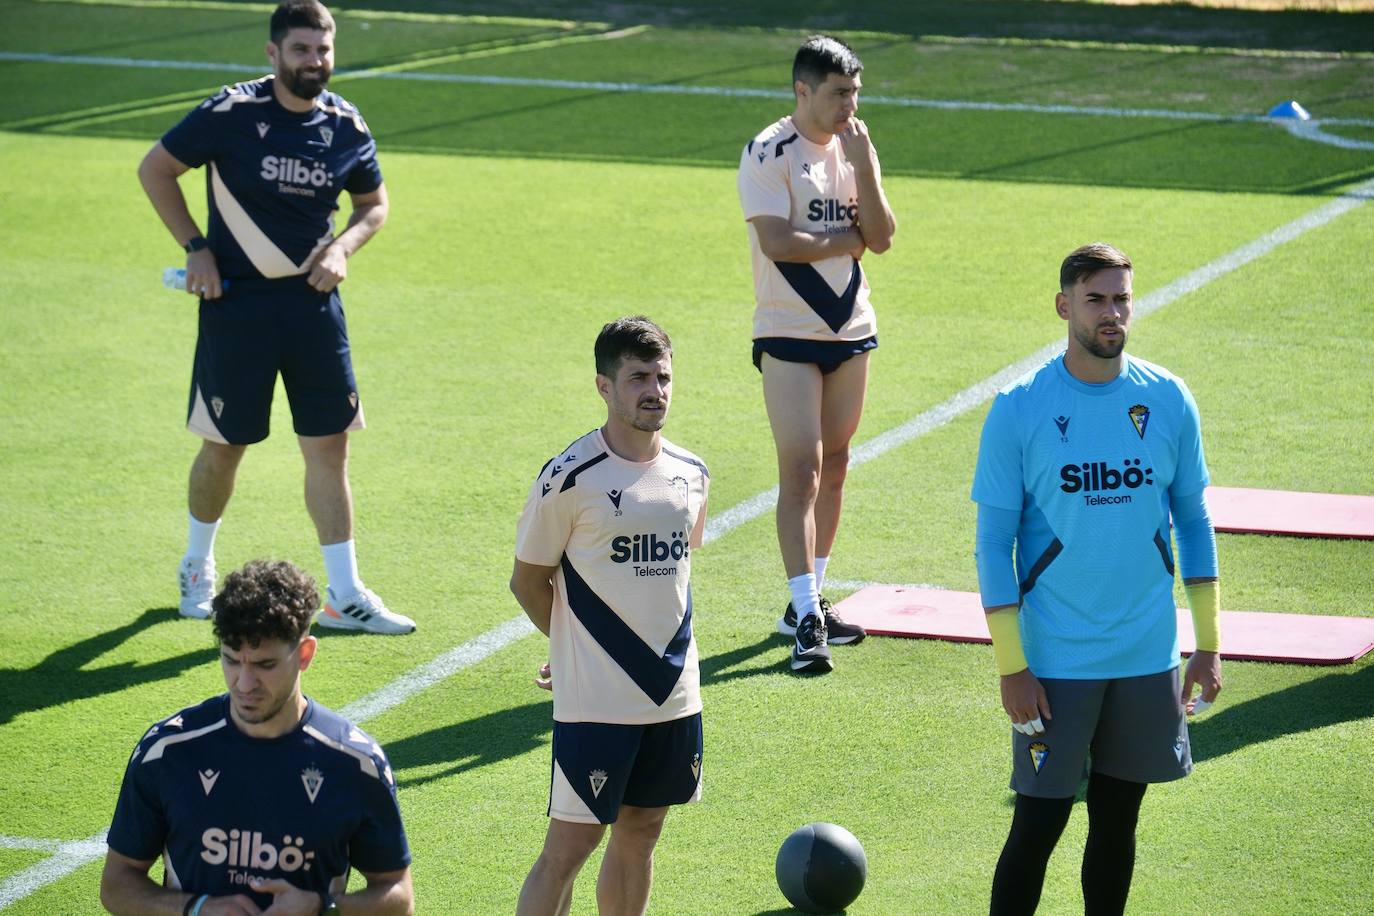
(1063, 424)
(681, 486)
(598, 781)
(312, 779)
(327, 134)
(1039, 753)
(1140, 418)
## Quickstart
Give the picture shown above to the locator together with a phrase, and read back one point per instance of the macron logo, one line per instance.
(207, 780)
(263, 128)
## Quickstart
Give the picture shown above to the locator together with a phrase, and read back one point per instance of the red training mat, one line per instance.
(1324, 515)
(895, 610)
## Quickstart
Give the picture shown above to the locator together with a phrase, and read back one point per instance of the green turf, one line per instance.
(522, 219)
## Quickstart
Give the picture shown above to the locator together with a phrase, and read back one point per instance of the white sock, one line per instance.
(200, 538)
(820, 573)
(341, 565)
(804, 599)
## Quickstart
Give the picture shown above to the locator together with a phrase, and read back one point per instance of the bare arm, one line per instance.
(388, 893)
(330, 266)
(876, 222)
(126, 890)
(158, 173)
(533, 588)
(780, 241)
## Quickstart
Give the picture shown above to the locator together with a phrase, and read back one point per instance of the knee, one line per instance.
(638, 833)
(799, 478)
(325, 452)
(219, 457)
(835, 466)
(563, 860)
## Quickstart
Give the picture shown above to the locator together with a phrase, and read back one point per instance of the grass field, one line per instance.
(530, 203)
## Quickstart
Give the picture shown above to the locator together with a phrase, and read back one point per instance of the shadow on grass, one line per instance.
(508, 733)
(1343, 696)
(62, 677)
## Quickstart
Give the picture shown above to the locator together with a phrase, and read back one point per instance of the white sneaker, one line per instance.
(363, 611)
(197, 581)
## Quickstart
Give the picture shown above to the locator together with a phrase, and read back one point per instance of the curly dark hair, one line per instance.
(267, 599)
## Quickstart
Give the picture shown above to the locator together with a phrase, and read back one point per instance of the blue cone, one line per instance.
(1289, 109)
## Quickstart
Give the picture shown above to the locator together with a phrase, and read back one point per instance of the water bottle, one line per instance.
(175, 278)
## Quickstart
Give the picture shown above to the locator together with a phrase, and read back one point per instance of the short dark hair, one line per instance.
(636, 337)
(267, 599)
(299, 14)
(1087, 260)
(819, 56)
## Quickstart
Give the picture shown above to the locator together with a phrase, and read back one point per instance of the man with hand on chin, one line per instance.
(1082, 464)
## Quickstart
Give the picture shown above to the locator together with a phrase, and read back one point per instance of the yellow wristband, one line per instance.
(1204, 600)
(1006, 641)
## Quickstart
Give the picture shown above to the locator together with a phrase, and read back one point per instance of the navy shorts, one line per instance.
(828, 355)
(1130, 728)
(260, 328)
(598, 767)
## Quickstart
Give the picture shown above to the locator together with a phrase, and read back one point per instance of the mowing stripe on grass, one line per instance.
(69, 856)
(674, 88)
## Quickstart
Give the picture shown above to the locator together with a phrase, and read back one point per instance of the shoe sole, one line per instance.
(812, 664)
(194, 612)
(787, 629)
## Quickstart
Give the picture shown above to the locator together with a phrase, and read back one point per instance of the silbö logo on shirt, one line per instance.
(245, 849)
(645, 549)
(1096, 477)
(294, 176)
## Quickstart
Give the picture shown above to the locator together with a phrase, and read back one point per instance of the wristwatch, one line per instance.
(196, 243)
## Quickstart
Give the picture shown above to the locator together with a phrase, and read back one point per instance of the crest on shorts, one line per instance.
(353, 399)
(312, 779)
(1178, 749)
(1140, 418)
(696, 766)
(217, 405)
(598, 779)
(1039, 753)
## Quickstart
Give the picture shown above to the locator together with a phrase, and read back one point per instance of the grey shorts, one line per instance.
(1132, 728)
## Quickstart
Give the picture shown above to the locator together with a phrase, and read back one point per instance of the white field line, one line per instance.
(69, 856)
(677, 89)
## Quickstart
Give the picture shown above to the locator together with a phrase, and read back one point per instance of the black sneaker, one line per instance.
(841, 633)
(809, 652)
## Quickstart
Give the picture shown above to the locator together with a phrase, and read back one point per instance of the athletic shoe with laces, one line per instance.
(839, 631)
(363, 611)
(809, 652)
(196, 578)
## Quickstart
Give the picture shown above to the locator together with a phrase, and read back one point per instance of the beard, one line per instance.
(306, 85)
(1110, 349)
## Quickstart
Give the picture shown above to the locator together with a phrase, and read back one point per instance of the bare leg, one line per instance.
(327, 496)
(212, 479)
(792, 394)
(842, 404)
(627, 870)
(548, 887)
